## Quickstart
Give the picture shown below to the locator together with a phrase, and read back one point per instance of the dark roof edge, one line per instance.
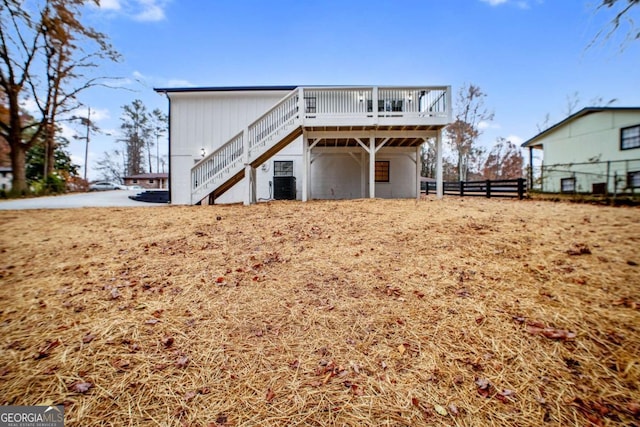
(585, 111)
(223, 89)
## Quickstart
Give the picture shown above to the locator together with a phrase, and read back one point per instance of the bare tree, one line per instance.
(464, 131)
(623, 12)
(43, 55)
(504, 161)
(111, 167)
(159, 123)
(137, 134)
(572, 102)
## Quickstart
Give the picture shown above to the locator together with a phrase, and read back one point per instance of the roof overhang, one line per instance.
(536, 141)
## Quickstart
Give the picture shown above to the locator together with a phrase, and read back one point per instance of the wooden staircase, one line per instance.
(254, 145)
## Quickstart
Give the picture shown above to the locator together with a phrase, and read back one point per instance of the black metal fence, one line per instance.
(489, 188)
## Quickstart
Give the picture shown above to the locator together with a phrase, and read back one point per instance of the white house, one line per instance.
(596, 150)
(244, 144)
(6, 177)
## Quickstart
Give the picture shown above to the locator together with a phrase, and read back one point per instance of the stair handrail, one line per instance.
(220, 159)
(239, 148)
(284, 112)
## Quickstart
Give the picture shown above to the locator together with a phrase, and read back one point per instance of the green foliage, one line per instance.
(62, 162)
(52, 184)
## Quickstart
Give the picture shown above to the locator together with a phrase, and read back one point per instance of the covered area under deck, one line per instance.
(364, 145)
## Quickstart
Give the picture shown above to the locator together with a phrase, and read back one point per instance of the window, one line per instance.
(382, 171)
(283, 168)
(630, 137)
(150, 181)
(135, 181)
(568, 185)
(633, 179)
(310, 104)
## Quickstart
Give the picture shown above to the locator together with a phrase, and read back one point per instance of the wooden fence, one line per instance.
(496, 188)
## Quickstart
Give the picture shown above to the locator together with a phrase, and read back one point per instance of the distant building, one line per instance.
(596, 150)
(148, 180)
(6, 176)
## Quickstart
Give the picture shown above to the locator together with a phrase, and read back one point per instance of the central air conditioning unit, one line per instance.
(284, 187)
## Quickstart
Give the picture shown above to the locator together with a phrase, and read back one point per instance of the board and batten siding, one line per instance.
(335, 174)
(207, 120)
(593, 137)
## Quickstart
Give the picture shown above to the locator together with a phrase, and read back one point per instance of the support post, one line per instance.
(363, 175)
(608, 172)
(488, 189)
(418, 172)
(520, 188)
(306, 156)
(439, 186)
(248, 182)
(530, 168)
(247, 167)
(372, 167)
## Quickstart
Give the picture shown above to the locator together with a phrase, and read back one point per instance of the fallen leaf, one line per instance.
(167, 341)
(440, 410)
(401, 349)
(45, 350)
(120, 364)
(484, 387)
(182, 362)
(190, 395)
(80, 387)
(579, 249)
(551, 333)
(453, 409)
(88, 338)
(220, 280)
(115, 294)
(151, 321)
(506, 396)
(415, 401)
(357, 391)
(270, 395)
(634, 408)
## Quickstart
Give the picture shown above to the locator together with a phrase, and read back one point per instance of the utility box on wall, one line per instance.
(284, 187)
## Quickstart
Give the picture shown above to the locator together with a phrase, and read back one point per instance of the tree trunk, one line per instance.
(19, 181)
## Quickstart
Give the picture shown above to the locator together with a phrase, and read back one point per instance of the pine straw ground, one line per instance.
(459, 312)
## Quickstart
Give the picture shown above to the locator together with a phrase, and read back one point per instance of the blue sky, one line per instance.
(528, 56)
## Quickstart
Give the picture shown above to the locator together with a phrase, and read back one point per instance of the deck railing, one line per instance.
(372, 102)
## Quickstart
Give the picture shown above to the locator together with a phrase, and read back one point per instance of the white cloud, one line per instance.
(488, 125)
(515, 139)
(138, 75)
(150, 10)
(179, 83)
(30, 106)
(522, 4)
(110, 5)
(138, 10)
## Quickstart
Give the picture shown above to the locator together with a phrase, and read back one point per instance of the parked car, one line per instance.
(105, 185)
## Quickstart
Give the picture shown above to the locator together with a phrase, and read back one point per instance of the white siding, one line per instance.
(208, 120)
